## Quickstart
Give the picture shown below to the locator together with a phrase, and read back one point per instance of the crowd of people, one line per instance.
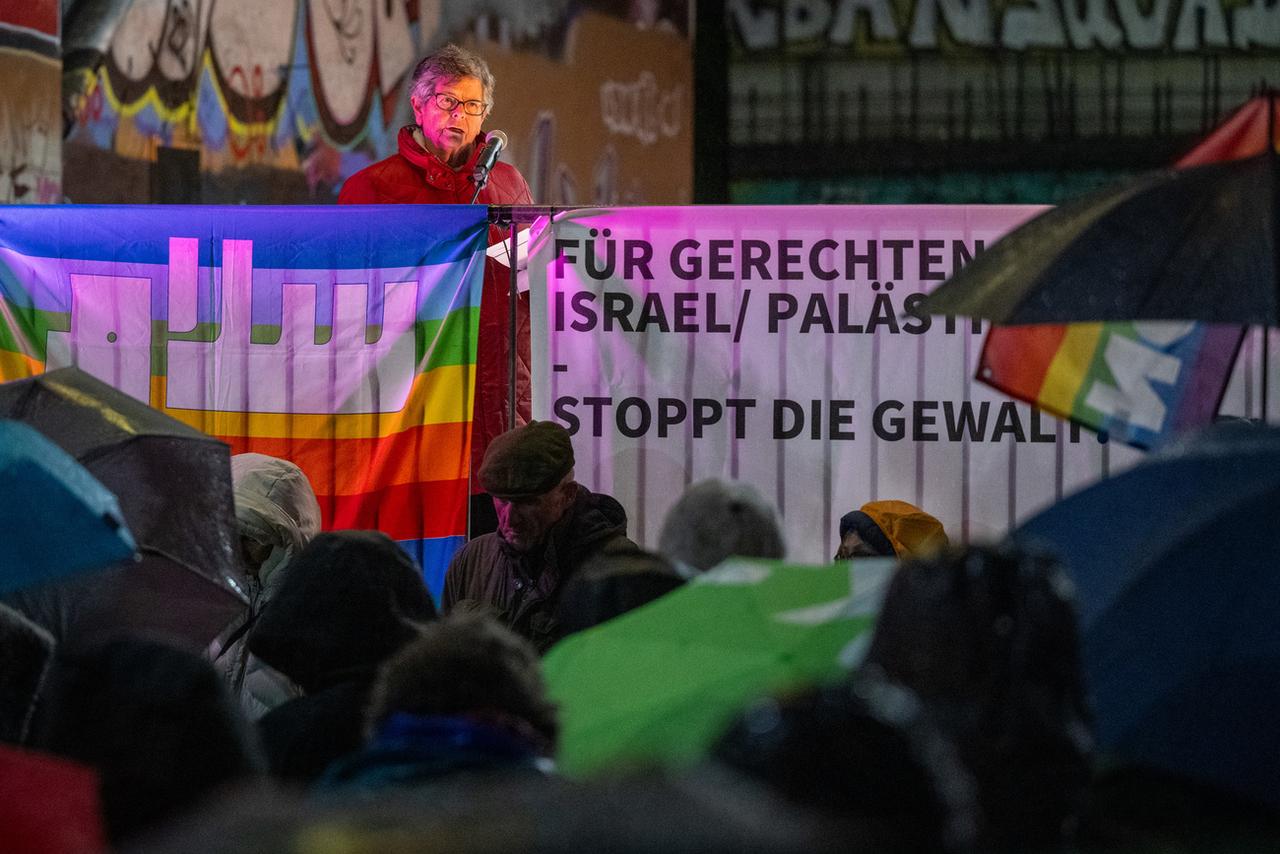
(344, 700)
(345, 710)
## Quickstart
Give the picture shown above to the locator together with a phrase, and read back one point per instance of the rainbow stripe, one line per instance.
(344, 341)
(1137, 382)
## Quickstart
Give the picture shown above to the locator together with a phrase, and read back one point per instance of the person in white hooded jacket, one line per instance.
(277, 514)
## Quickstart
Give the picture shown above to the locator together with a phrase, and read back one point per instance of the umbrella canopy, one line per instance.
(1244, 133)
(55, 519)
(174, 487)
(1191, 244)
(26, 654)
(1174, 563)
(1139, 382)
(658, 685)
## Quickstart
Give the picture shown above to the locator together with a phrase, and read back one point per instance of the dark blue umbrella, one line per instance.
(56, 519)
(1177, 568)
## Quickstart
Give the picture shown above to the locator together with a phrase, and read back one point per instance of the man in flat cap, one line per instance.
(548, 525)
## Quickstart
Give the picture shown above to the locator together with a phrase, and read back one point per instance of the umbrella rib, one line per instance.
(169, 556)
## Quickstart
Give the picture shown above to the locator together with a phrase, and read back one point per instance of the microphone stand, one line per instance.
(481, 178)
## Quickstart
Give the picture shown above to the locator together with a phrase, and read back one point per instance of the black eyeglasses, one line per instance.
(448, 103)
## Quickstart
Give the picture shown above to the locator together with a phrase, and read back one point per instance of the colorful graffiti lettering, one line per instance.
(284, 100)
(247, 81)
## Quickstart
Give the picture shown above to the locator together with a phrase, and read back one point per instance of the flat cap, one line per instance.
(527, 462)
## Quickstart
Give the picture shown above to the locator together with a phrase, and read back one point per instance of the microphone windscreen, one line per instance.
(497, 136)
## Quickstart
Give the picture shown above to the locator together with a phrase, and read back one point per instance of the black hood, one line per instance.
(157, 724)
(350, 600)
(592, 519)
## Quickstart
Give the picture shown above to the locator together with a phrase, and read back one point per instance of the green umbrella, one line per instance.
(659, 685)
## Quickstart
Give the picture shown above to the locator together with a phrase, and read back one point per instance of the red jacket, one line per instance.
(416, 176)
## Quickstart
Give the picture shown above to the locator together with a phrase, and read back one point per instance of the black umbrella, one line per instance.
(1190, 244)
(174, 487)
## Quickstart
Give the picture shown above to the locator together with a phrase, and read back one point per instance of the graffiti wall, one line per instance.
(1010, 70)
(284, 99)
(901, 26)
(30, 111)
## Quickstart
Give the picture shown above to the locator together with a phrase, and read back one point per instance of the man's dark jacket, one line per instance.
(524, 589)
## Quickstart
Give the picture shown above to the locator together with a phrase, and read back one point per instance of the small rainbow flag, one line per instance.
(1139, 382)
(344, 341)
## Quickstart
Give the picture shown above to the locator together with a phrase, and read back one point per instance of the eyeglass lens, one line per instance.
(448, 103)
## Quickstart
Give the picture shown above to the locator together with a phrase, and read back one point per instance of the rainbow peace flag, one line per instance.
(1139, 382)
(343, 340)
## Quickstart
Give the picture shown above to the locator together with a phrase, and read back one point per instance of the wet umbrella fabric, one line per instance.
(1191, 244)
(658, 685)
(174, 487)
(26, 654)
(56, 520)
(1174, 564)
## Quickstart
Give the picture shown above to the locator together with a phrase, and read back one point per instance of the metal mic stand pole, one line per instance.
(512, 306)
(480, 184)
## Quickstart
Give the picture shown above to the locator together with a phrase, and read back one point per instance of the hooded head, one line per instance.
(888, 529)
(155, 722)
(717, 519)
(987, 638)
(276, 511)
(863, 750)
(350, 600)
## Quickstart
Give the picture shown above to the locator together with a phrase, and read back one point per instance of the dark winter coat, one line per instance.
(351, 600)
(524, 590)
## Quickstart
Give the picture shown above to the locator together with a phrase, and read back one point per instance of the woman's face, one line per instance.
(449, 133)
(851, 545)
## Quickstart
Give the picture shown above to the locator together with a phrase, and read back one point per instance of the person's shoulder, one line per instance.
(604, 504)
(384, 182)
(507, 186)
(475, 547)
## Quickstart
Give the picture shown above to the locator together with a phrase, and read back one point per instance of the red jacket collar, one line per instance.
(436, 170)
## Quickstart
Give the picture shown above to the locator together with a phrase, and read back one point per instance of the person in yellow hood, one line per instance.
(888, 529)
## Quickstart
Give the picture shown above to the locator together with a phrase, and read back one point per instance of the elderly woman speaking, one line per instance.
(451, 96)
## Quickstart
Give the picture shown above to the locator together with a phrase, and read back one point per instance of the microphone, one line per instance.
(495, 141)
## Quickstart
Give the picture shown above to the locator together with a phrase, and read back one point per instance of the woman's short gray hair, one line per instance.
(447, 64)
(717, 519)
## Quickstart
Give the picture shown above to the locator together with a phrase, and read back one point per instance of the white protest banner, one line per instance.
(784, 346)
